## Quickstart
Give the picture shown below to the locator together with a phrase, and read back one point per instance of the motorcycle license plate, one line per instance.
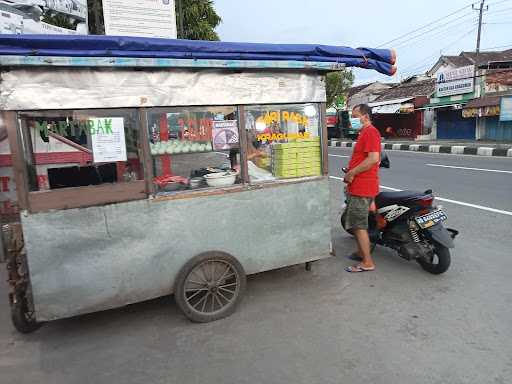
(431, 219)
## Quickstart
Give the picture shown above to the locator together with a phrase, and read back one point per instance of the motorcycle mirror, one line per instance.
(384, 160)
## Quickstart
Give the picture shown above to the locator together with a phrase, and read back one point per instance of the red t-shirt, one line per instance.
(365, 184)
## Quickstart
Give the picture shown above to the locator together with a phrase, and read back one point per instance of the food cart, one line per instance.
(146, 167)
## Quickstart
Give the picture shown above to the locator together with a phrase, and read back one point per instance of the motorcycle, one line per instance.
(410, 223)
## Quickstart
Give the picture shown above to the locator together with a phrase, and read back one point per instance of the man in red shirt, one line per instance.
(362, 179)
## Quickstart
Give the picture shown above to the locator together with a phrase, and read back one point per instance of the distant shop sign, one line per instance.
(506, 108)
(489, 111)
(455, 81)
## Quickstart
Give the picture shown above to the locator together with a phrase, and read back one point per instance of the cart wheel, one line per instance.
(22, 318)
(210, 286)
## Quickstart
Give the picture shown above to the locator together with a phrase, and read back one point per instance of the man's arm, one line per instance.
(372, 159)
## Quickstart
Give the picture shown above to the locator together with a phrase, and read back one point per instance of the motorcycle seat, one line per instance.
(388, 198)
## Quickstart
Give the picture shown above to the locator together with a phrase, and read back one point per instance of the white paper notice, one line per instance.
(145, 18)
(108, 141)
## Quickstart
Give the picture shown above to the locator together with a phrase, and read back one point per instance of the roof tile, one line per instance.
(412, 89)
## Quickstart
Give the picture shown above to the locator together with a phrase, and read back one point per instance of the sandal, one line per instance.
(359, 268)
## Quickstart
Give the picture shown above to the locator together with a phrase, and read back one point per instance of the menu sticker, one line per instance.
(108, 140)
(225, 135)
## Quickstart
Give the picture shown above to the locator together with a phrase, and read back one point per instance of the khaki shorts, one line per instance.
(356, 212)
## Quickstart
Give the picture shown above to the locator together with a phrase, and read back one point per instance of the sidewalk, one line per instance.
(462, 147)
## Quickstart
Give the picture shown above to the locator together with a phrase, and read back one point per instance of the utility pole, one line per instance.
(480, 14)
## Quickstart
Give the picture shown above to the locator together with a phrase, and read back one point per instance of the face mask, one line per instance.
(355, 122)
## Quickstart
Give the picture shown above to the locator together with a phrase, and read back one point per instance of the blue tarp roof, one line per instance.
(381, 60)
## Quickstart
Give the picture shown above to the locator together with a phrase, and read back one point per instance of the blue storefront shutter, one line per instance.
(498, 130)
(451, 125)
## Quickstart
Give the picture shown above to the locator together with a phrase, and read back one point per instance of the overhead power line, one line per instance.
(498, 47)
(424, 26)
(433, 33)
(410, 69)
(423, 34)
(500, 2)
(434, 54)
(501, 10)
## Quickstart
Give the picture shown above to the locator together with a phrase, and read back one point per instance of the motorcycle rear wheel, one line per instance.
(440, 261)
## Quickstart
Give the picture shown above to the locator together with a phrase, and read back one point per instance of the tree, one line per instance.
(58, 19)
(337, 85)
(198, 21)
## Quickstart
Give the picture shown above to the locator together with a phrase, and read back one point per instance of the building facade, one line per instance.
(398, 112)
(366, 93)
(468, 93)
(495, 88)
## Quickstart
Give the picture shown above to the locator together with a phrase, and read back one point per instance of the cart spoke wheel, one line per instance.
(204, 295)
(209, 286)
(24, 320)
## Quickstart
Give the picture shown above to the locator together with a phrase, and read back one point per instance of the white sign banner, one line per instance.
(146, 18)
(455, 81)
(108, 140)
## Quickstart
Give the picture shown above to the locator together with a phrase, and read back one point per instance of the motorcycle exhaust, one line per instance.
(453, 232)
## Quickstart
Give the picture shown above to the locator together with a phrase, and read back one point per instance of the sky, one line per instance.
(371, 23)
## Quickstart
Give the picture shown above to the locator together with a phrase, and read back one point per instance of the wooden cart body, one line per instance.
(100, 247)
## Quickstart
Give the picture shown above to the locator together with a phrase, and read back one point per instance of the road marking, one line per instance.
(489, 209)
(338, 155)
(436, 154)
(469, 168)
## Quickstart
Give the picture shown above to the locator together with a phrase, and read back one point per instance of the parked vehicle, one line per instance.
(340, 125)
(333, 128)
(411, 224)
(350, 127)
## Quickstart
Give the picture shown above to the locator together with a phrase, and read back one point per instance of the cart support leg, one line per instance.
(308, 266)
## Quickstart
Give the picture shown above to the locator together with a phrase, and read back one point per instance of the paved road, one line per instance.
(410, 170)
(396, 325)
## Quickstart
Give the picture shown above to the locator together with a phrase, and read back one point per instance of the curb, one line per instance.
(432, 148)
